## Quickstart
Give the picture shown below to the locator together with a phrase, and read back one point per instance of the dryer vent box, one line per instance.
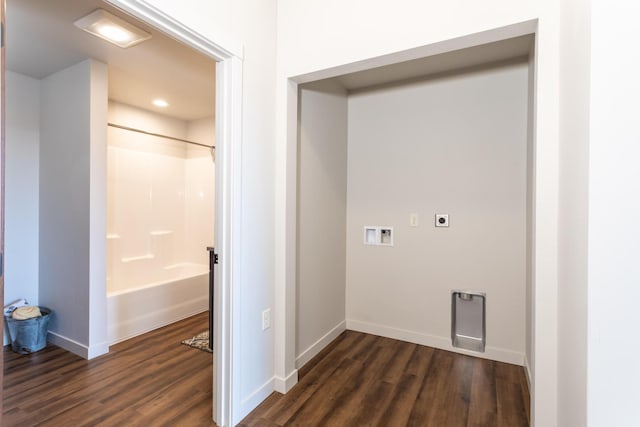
(468, 316)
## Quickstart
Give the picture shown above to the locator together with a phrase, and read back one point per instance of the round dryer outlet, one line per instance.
(442, 220)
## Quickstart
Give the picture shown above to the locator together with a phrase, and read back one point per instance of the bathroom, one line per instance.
(101, 210)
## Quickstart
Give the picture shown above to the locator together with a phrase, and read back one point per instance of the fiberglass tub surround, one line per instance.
(160, 221)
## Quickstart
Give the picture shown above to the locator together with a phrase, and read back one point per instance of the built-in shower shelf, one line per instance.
(161, 232)
(138, 258)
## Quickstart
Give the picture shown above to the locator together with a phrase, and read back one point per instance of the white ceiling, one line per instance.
(41, 40)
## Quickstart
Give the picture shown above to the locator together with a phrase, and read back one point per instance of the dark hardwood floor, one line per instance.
(150, 380)
(364, 380)
(358, 380)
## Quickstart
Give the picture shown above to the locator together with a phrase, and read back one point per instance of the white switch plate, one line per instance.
(413, 220)
(266, 319)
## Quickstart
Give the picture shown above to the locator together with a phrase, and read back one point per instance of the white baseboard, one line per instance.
(316, 347)
(443, 343)
(86, 352)
(527, 370)
(98, 350)
(252, 401)
(283, 385)
(125, 329)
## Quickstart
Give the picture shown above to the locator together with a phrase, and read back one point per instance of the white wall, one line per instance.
(364, 30)
(614, 207)
(529, 321)
(256, 281)
(22, 137)
(72, 219)
(137, 118)
(322, 216)
(97, 105)
(573, 215)
(202, 131)
(248, 28)
(454, 145)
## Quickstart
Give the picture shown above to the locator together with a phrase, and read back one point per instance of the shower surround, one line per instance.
(160, 219)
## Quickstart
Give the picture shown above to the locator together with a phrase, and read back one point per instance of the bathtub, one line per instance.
(183, 292)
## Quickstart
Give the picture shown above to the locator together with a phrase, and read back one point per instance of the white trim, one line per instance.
(317, 347)
(153, 16)
(285, 236)
(532, 399)
(443, 343)
(228, 212)
(75, 347)
(254, 399)
(467, 41)
(283, 385)
(228, 195)
(527, 371)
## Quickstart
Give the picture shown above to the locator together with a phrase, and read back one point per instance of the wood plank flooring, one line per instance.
(364, 380)
(150, 380)
(358, 380)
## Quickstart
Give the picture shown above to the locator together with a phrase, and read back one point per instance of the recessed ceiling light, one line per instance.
(160, 103)
(109, 27)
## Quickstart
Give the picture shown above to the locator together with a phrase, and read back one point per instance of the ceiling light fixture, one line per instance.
(109, 27)
(160, 103)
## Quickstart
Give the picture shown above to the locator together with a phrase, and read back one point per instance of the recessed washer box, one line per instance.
(442, 220)
(378, 235)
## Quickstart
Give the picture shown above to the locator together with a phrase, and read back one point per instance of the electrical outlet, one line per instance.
(266, 319)
(442, 220)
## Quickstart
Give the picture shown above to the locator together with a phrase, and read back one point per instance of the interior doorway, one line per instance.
(329, 90)
(228, 107)
(399, 156)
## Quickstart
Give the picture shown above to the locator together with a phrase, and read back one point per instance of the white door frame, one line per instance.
(228, 192)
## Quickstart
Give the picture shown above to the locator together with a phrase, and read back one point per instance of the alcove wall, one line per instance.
(455, 143)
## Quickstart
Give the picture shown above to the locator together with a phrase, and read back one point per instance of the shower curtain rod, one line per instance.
(159, 135)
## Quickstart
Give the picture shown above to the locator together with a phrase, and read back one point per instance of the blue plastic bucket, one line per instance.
(29, 335)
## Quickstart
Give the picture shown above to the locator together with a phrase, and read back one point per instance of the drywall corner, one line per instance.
(71, 245)
(98, 104)
(321, 215)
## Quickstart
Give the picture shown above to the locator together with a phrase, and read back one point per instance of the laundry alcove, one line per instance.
(393, 147)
